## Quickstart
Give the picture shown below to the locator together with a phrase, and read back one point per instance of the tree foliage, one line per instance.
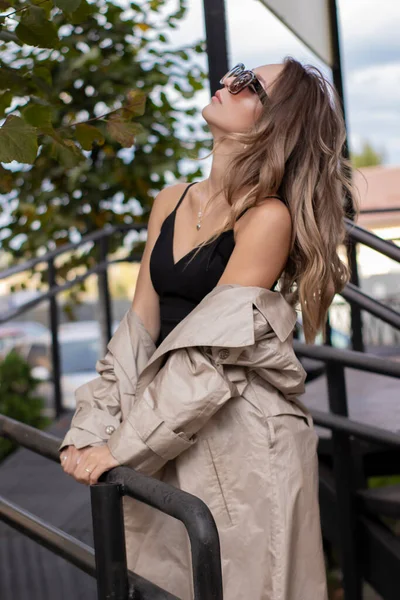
(91, 109)
(367, 157)
(18, 398)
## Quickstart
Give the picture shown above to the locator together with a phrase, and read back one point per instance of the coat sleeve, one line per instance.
(190, 388)
(98, 408)
(98, 402)
(183, 395)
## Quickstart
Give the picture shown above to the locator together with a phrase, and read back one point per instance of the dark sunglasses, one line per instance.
(244, 78)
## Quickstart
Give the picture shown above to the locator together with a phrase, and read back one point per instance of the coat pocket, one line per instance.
(276, 421)
(219, 485)
(275, 407)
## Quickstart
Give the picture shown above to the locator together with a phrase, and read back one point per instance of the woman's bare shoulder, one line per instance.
(166, 199)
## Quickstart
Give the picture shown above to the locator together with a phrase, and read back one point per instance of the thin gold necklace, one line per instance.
(200, 215)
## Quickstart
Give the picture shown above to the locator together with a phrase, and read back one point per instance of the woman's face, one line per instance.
(236, 113)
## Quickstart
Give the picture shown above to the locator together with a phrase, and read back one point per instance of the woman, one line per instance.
(200, 384)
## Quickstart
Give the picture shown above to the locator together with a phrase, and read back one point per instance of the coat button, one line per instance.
(223, 354)
(110, 429)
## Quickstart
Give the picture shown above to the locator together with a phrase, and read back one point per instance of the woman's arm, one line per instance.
(172, 408)
(98, 401)
(146, 301)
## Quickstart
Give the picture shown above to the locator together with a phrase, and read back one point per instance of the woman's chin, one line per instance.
(210, 105)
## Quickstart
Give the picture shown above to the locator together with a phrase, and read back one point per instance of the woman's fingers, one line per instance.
(87, 464)
(70, 458)
(85, 467)
(65, 458)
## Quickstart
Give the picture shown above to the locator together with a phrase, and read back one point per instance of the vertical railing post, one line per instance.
(109, 542)
(104, 294)
(216, 41)
(345, 482)
(55, 348)
(328, 331)
(351, 248)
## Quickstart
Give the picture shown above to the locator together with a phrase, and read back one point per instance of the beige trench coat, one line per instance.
(214, 410)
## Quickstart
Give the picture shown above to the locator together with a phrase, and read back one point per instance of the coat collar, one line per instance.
(225, 318)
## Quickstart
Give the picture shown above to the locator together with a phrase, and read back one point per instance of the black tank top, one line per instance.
(181, 286)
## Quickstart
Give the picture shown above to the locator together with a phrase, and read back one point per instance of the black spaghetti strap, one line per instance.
(184, 194)
(271, 196)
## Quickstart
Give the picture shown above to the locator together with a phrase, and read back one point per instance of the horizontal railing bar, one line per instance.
(363, 236)
(372, 363)
(354, 295)
(47, 445)
(354, 428)
(71, 549)
(101, 266)
(371, 211)
(29, 437)
(52, 254)
(356, 232)
(189, 509)
(348, 358)
(52, 538)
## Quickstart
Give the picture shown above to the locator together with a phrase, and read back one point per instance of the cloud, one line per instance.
(370, 32)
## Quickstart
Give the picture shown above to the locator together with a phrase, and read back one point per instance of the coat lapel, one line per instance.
(224, 318)
(278, 312)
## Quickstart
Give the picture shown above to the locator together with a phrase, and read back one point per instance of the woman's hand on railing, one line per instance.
(87, 464)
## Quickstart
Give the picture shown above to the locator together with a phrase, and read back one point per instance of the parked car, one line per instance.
(30, 328)
(80, 348)
(9, 336)
(13, 332)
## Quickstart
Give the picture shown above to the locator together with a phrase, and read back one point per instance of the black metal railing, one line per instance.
(100, 238)
(335, 360)
(350, 293)
(107, 562)
(106, 497)
(346, 477)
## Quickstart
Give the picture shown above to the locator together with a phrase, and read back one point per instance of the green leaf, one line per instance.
(135, 104)
(83, 12)
(48, 129)
(67, 5)
(143, 26)
(5, 101)
(43, 73)
(35, 29)
(84, 59)
(155, 4)
(183, 54)
(87, 134)
(95, 67)
(71, 156)
(122, 131)
(18, 141)
(136, 7)
(67, 154)
(37, 115)
(6, 180)
(9, 79)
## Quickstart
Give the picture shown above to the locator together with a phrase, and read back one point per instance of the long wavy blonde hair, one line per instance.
(295, 150)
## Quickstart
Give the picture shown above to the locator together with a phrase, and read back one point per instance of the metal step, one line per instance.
(384, 501)
(314, 368)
